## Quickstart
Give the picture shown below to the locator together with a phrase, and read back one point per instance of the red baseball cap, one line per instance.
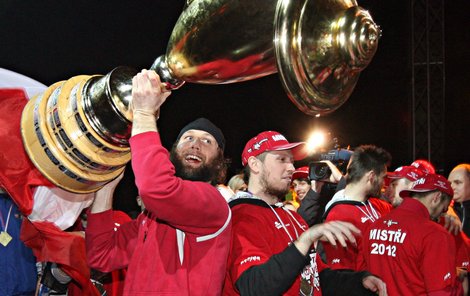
(429, 182)
(409, 172)
(424, 166)
(272, 141)
(299, 173)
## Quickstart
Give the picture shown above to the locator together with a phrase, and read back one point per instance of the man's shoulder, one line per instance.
(419, 226)
(381, 205)
(249, 211)
(342, 208)
(437, 229)
(247, 206)
(246, 201)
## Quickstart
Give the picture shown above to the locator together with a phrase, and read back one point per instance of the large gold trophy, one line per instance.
(76, 133)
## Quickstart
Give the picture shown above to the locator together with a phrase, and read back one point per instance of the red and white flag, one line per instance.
(50, 210)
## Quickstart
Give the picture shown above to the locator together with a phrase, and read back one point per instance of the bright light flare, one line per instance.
(316, 140)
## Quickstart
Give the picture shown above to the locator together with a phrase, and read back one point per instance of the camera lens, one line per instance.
(319, 171)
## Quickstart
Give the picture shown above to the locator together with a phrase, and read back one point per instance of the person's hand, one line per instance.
(104, 197)
(452, 223)
(333, 232)
(375, 284)
(109, 187)
(148, 92)
(336, 174)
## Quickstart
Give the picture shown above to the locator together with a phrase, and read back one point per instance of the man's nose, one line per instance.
(290, 167)
(196, 143)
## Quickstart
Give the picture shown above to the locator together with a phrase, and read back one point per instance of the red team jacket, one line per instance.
(257, 235)
(361, 215)
(461, 247)
(180, 246)
(411, 253)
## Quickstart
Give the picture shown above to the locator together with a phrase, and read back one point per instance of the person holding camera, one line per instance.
(309, 191)
(308, 197)
(357, 202)
(301, 182)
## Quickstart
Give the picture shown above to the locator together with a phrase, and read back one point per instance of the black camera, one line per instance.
(319, 171)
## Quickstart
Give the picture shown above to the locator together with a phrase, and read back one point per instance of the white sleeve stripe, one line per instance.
(215, 234)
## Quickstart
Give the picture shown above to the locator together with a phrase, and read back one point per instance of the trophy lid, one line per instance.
(321, 47)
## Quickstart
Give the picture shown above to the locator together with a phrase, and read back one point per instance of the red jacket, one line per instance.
(412, 254)
(259, 232)
(361, 215)
(179, 246)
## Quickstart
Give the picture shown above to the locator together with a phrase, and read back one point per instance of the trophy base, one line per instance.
(63, 145)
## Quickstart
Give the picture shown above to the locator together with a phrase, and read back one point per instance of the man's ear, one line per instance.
(254, 163)
(370, 176)
(436, 197)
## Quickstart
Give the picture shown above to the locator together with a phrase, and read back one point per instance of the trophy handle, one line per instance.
(169, 79)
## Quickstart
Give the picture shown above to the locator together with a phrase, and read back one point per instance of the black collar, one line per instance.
(251, 201)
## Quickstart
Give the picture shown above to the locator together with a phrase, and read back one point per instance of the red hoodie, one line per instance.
(179, 245)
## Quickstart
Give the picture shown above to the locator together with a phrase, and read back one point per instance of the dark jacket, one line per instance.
(463, 211)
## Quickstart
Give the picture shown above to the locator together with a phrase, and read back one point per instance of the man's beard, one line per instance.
(280, 193)
(208, 172)
(376, 188)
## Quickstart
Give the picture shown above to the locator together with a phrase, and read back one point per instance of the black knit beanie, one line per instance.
(204, 124)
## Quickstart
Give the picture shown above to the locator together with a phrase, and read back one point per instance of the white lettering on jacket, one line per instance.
(387, 235)
(250, 259)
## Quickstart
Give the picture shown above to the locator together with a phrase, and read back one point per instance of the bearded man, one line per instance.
(179, 244)
(273, 250)
(357, 203)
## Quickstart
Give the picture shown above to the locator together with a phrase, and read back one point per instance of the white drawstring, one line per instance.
(372, 214)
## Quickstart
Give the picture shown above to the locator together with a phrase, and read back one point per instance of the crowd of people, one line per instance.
(381, 232)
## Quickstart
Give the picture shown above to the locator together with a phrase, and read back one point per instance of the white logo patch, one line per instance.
(279, 138)
(420, 181)
(390, 223)
(441, 184)
(257, 145)
(413, 175)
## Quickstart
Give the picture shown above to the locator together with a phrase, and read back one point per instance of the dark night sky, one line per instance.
(52, 41)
